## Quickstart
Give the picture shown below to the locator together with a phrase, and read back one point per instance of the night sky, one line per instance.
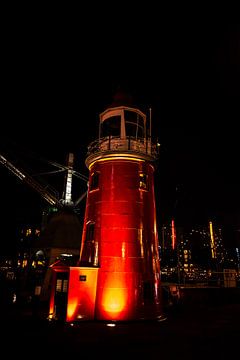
(58, 76)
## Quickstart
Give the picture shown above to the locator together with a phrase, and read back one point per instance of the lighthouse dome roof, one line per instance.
(122, 98)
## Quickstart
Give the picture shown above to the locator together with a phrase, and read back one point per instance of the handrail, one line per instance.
(130, 143)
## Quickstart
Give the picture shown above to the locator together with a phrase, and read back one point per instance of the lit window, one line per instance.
(28, 232)
(143, 181)
(62, 283)
(65, 285)
(24, 263)
(59, 285)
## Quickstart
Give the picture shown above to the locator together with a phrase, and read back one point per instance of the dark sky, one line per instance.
(57, 76)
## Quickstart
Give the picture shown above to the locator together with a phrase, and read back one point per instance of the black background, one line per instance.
(60, 70)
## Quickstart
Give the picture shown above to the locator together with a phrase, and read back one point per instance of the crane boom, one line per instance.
(45, 191)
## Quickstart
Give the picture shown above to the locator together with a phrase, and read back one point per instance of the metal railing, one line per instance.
(129, 144)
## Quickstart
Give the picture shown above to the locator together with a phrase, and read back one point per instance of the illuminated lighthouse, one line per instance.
(118, 277)
(120, 234)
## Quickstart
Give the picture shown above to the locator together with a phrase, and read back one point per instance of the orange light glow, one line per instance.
(115, 157)
(114, 300)
(81, 293)
(173, 235)
(72, 308)
(51, 308)
(213, 249)
(52, 300)
(123, 250)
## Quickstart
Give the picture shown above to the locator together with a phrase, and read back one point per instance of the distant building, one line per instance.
(37, 249)
(61, 238)
(198, 251)
(62, 234)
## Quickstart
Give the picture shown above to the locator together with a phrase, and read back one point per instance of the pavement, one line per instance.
(199, 331)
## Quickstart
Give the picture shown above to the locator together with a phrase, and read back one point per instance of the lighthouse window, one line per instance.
(94, 181)
(89, 255)
(90, 232)
(143, 181)
(111, 126)
(134, 125)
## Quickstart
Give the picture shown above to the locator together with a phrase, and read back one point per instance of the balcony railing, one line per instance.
(129, 144)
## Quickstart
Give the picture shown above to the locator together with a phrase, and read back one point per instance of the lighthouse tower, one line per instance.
(120, 233)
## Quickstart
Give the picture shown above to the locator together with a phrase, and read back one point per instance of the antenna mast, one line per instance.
(150, 122)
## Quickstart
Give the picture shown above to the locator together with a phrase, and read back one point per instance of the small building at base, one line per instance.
(73, 293)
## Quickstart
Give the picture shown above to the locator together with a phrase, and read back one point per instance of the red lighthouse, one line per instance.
(119, 270)
(120, 233)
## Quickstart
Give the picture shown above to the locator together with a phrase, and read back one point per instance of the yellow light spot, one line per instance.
(71, 309)
(114, 300)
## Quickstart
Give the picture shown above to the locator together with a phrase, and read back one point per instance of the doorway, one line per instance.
(61, 295)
